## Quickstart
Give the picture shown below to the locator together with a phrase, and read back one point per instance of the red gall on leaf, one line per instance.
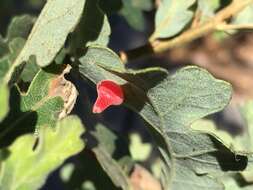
(109, 93)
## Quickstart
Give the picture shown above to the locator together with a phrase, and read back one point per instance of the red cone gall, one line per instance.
(109, 93)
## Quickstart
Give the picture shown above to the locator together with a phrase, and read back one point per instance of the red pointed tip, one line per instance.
(109, 93)
(96, 109)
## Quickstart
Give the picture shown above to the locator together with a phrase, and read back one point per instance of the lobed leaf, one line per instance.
(25, 168)
(170, 103)
(48, 98)
(191, 157)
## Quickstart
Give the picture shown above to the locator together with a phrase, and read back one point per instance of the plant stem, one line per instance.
(215, 23)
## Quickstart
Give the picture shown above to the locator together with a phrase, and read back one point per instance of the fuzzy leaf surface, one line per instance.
(171, 17)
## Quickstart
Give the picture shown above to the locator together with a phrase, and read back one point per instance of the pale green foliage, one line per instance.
(139, 151)
(171, 17)
(40, 100)
(4, 101)
(66, 172)
(208, 8)
(245, 16)
(232, 182)
(28, 169)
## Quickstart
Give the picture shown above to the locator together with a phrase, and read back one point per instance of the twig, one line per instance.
(159, 46)
(234, 26)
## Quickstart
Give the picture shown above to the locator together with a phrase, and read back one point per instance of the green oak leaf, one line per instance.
(190, 94)
(56, 20)
(26, 168)
(169, 104)
(171, 17)
(38, 107)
